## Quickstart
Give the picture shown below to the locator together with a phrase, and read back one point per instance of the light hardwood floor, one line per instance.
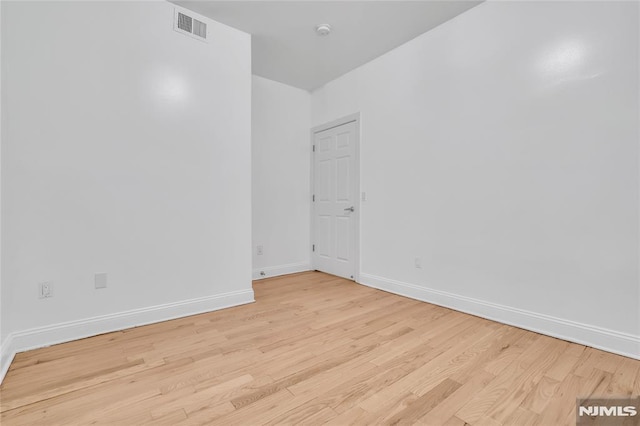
(314, 349)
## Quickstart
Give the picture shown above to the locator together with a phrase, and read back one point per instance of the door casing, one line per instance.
(357, 199)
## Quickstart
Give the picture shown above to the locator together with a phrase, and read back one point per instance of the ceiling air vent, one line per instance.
(185, 23)
(199, 28)
(188, 25)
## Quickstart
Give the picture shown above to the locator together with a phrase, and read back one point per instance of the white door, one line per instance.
(335, 200)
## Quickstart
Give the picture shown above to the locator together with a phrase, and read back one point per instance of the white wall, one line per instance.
(501, 149)
(3, 312)
(126, 150)
(281, 168)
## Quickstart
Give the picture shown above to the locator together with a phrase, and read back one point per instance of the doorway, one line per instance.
(335, 188)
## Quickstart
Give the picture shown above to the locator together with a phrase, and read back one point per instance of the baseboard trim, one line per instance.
(39, 337)
(608, 340)
(7, 352)
(274, 271)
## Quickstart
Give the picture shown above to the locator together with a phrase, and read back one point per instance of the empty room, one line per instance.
(320, 212)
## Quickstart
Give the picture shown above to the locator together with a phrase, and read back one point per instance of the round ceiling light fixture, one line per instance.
(323, 30)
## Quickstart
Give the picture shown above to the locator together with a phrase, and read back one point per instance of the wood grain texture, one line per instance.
(314, 349)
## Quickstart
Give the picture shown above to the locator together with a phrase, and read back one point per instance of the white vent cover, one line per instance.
(188, 25)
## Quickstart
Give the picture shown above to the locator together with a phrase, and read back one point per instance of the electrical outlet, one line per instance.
(364, 196)
(100, 280)
(259, 250)
(45, 290)
(417, 262)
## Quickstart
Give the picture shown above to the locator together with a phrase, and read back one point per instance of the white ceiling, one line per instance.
(286, 48)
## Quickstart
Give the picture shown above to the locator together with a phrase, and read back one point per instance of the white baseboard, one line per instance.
(7, 352)
(274, 271)
(608, 340)
(25, 340)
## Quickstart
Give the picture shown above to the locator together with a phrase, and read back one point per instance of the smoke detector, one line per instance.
(323, 30)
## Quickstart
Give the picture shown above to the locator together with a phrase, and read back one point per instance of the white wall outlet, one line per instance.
(364, 196)
(259, 250)
(45, 290)
(100, 280)
(417, 262)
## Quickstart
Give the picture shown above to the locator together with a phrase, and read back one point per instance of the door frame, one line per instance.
(356, 216)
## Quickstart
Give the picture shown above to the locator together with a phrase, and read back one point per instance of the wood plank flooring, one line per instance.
(314, 349)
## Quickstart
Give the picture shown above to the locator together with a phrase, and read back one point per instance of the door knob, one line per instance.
(349, 209)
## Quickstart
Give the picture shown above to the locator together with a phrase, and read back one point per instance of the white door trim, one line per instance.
(357, 204)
